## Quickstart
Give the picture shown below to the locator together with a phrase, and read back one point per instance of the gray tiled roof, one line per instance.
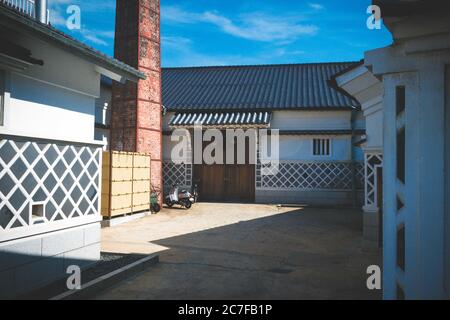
(264, 87)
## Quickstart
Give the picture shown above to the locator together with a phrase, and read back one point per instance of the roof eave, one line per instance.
(269, 109)
(333, 82)
(106, 65)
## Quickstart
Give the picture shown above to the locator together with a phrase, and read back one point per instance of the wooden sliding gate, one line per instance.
(227, 182)
(126, 185)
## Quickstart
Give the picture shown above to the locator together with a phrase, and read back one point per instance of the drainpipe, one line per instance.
(41, 12)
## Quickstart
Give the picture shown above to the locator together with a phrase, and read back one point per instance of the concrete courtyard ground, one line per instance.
(245, 251)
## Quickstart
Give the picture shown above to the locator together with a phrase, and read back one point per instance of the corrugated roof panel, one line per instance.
(221, 119)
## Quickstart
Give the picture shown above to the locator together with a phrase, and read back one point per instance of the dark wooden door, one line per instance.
(226, 182)
(210, 181)
(240, 183)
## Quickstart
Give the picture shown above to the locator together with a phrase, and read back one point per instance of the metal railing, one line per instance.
(23, 6)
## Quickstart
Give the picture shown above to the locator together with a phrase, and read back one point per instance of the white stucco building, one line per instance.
(362, 85)
(410, 81)
(50, 163)
(318, 128)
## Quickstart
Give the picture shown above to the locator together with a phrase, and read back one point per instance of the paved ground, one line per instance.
(236, 251)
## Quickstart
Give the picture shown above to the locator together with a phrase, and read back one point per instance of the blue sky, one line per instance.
(234, 32)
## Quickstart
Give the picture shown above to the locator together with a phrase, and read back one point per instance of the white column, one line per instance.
(428, 130)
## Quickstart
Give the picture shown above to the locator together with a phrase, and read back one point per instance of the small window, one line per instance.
(321, 147)
(37, 211)
(2, 95)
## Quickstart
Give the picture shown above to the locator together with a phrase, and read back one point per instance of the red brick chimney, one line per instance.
(136, 120)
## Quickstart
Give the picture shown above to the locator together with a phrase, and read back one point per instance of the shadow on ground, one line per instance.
(305, 253)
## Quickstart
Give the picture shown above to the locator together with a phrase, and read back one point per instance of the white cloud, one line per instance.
(173, 14)
(182, 51)
(175, 42)
(261, 27)
(59, 2)
(251, 26)
(58, 18)
(93, 37)
(316, 6)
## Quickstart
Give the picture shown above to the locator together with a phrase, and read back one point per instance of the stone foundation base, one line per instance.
(322, 197)
(34, 262)
(371, 227)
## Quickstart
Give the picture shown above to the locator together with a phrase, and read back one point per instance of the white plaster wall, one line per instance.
(374, 130)
(60, 67)
(290, 148)
(423, 192)
(53, 101)
(311, 120)
(37, 109)
(301, 148)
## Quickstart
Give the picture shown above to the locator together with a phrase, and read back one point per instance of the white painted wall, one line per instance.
(422, 72)
(301, 148)
(311, 120)
(295, 147)
(60, 67)
(53, 101)
(374, 130)
(37, 109)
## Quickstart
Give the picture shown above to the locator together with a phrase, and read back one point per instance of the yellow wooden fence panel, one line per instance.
(141, 186)
(122, 159)
(141, 161)
(126, 186)
(141, 174)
